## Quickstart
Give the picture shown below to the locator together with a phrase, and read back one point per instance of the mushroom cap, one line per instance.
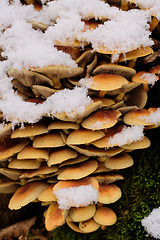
(43, 170)
(82, 213)
(92, 151)
(60, 155)
(78, 171)
(8, 186)
(47, 194)
(105, 216)
(105, 101)
(30, 152)
(26, 194)
(76, 183)
(107, 82)
(29, 131)
(111, 68)
(48, 140)
(56, 124)
(101, 119)
(120, 161)
(78, 159)
(83, 136)
(74, 227)
(109, 193)
(104, 142)
(140, 52)
(55, 216)
(108, 178)
(140, 144)
(155, 69)
(24, 164)
(10, 147)
(137, 117)
(6, 130)
(42, 91)
(139, 77)
(11, 173)
(89, 226)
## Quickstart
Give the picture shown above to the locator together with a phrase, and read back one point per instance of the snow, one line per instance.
(76, 196)
(152, 223)
(153, 117)
(151, 78)
(127, 135)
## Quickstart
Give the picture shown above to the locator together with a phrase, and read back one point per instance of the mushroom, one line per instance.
(105, 216)
(108, 178)
(101, 119)
(55, 216)
(83, 136)
(47, 194)
(137, 117)
(30, 152)
(61, 155)
(43, 91)
(11, 173)
(30, 130)
(56, 124)
(78, 171)
(49, 140)
(109, 193)
(140, 144)
(89, 226)
(24, 164)
(120, 161)
(80, 158)
(8, 186)
(82, 213)
(26, 194)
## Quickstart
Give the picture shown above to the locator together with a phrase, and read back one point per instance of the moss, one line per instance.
(141, 193)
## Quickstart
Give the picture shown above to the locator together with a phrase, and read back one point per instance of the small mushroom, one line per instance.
(24, 164)
(105, 216)
(56, 124)
(140, 144)
(89, 226)
(109, 193)
(82, 213)
(137, 117)
(49, 140)
(30, 152)
(47, 194)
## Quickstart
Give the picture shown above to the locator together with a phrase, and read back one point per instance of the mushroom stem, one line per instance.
(132, 62)
(124, 5)
(153, 24)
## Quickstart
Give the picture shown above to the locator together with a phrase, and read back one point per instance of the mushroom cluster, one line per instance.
(65, 151)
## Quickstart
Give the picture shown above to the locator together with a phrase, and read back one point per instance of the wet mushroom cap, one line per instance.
(105, 216)
(83, 136)
(109, 193)
(26, 194)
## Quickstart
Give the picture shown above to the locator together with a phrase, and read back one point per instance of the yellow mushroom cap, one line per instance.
(30, 152)
(83, 136)
(101, 119)
(60, 155)
(47, 194)
(82, 213)
(137, 117)
(105, 216)
(89, 226)
(109, 193)
(26, 194)
(63, 125)
(107, 82)
(24, 164)
(29, 131)
(54, 216)
(48, 140)
(120, 161)
(78, 171)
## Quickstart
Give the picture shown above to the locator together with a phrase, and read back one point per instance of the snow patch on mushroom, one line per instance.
(76, 196)
(151, 78)
(127, 135)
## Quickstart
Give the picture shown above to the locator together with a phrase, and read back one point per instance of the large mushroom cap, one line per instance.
(83, 136)
(137, 117)
(109, 193)
(101, 119)
(107, 82)
(105, 216)
(26, 194)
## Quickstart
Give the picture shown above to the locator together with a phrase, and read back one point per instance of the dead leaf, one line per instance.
(17, 229)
